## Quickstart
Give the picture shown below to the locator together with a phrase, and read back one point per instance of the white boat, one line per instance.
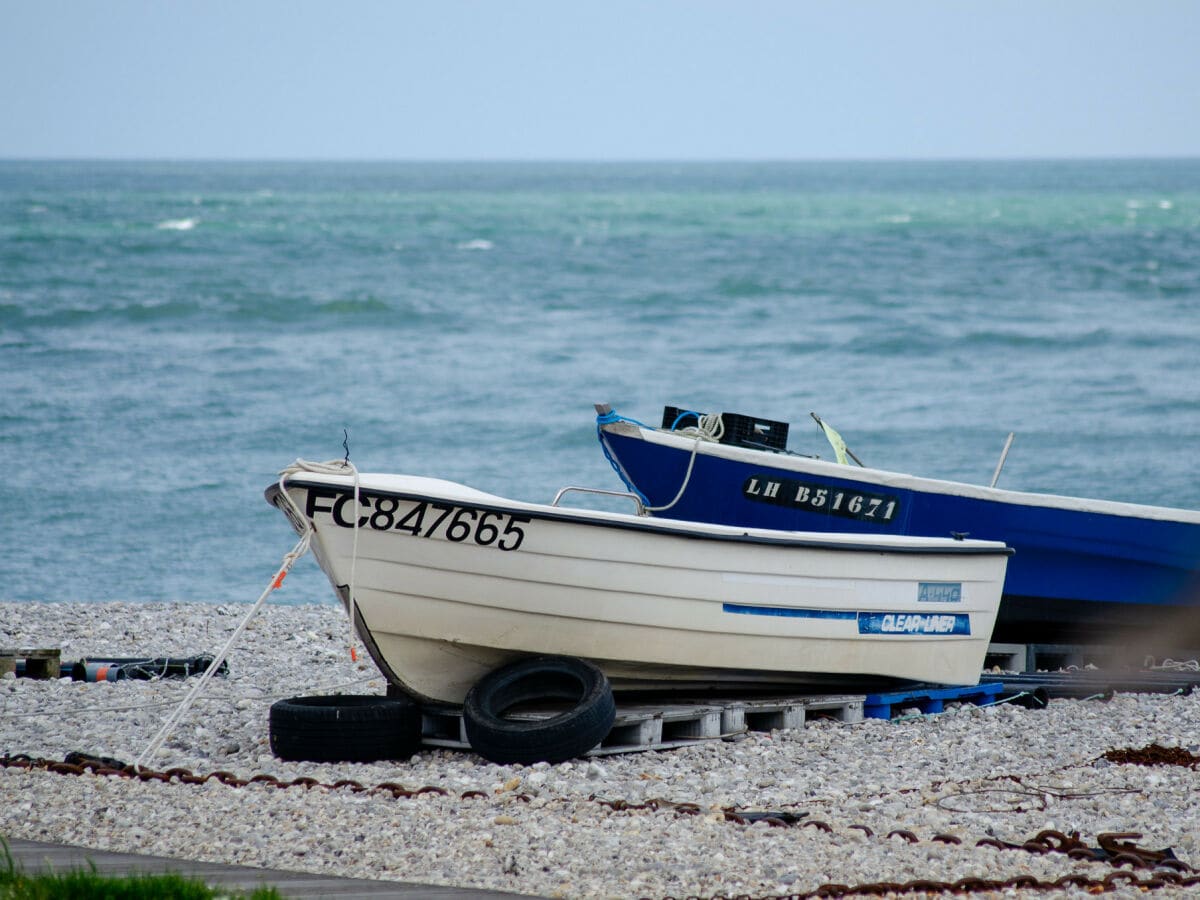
(447, 583)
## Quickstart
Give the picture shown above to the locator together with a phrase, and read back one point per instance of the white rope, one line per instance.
(334, 467)
(172, 720)
(710, 428)
(1174, 665)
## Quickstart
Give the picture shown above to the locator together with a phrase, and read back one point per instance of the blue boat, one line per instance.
(1084, 570)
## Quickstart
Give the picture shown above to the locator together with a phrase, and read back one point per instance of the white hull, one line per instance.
(651, 602)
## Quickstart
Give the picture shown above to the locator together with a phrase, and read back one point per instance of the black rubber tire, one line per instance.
(345, 728)
(561, 737)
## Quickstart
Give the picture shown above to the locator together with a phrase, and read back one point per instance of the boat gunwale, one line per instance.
(666, 527)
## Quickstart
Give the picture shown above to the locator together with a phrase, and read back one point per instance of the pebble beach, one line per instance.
(651, 824)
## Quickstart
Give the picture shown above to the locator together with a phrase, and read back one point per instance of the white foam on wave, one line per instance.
(177, 225)
(477, 244)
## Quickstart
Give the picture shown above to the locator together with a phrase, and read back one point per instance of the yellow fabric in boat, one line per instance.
(835, 441)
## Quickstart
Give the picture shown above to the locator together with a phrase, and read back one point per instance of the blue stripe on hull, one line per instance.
(868, 622)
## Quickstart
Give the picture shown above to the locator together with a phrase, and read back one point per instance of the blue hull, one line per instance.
(1081, 568)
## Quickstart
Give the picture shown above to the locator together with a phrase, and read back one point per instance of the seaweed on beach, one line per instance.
(1153, 755)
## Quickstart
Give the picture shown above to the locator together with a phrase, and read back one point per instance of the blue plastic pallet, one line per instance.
(928, 700)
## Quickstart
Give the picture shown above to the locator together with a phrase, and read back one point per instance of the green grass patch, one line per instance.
(88, 884)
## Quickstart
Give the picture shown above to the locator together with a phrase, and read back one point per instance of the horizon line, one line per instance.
(581, 160)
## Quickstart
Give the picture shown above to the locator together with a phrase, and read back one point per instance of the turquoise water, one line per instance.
(172, 334)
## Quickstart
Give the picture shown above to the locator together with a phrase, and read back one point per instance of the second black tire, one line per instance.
(345, 728)
(564, 736)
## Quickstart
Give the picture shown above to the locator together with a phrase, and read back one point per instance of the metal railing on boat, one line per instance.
(641, 507)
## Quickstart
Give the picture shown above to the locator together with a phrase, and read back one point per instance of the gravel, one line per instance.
(999, 772)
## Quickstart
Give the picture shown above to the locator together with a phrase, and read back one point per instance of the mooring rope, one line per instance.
(172, 720)
(333, 467)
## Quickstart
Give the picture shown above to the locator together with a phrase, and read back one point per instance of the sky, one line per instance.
(611, 80)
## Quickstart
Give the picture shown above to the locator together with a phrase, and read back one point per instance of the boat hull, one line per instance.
(449, 583)
(1081, 569)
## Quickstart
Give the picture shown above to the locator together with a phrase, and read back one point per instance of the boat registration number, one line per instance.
(834, 501)
(423, 518)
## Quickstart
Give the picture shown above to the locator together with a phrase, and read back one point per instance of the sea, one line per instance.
(172, 334)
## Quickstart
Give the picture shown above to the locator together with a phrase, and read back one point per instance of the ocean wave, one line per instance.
(916, 343)
(744, 287)
(1094, 337)
(11, 314)
(353, 305)
(225, 310)
(177, 224)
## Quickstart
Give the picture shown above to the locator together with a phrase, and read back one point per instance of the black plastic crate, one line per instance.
(672, 421)
(740, 430)
(753, 431)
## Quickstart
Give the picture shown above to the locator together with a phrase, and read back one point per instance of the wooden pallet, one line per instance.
(646, 725)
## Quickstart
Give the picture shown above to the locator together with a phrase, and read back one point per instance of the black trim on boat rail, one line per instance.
(659, 526)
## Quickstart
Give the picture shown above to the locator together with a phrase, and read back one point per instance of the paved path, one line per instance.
(34, 856)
